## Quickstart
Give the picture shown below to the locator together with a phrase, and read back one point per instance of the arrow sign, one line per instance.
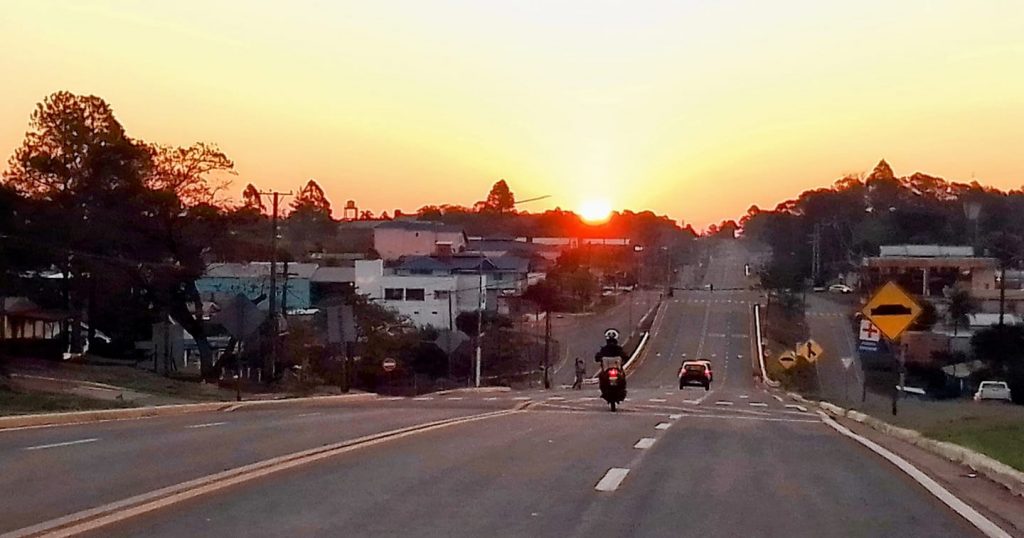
(787, 360)
(892, 310)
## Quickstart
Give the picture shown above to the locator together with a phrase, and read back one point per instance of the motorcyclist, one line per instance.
(611, 348)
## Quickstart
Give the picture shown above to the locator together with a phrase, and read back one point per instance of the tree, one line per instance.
(61, 150)
(251, 199)
(500, 199)
(961, 306)
(187, 171)
(97, 217)
(312, 198)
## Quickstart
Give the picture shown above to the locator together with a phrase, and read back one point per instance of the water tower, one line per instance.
(351, 212)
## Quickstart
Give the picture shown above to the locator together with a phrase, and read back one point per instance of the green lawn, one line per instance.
(22, 403)
(1000, 440)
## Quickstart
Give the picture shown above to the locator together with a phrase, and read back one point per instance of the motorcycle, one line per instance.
(612, 381)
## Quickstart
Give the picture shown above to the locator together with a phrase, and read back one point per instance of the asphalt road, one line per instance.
(734, 461)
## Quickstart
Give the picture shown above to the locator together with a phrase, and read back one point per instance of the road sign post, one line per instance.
(892, 311)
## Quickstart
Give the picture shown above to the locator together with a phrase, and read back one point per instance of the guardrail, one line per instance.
(760, 347)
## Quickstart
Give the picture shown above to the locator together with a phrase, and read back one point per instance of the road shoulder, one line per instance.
(991, 499)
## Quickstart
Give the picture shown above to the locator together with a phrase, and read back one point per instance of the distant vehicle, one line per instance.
(695, 373)
(707, 364)
(840, 288)
(993, 390)
(818, 289)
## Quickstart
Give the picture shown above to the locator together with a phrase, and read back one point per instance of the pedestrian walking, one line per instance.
(581, 371)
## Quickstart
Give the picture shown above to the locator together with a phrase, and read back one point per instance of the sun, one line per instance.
(595, 211)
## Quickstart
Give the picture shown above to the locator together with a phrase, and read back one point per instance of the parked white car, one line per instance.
(992, 390)
(840, 288)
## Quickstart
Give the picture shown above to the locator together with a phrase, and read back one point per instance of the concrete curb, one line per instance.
(995, 470)
(471, 390)
(84, 417)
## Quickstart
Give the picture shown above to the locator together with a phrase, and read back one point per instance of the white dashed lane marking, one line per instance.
(723, 402)
(556, 398)
(454, 398)
(422, 399)
(676, 416)
(758, 404)
(662, 426)
(646, 442)
(658, 400)
(206, 425)
(795, 406)
(612, 479)
(65, 443)
(777, 397)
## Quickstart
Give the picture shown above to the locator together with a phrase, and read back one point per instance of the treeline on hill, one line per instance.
(858, 214)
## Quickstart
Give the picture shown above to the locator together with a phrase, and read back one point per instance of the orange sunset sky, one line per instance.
(692, 109)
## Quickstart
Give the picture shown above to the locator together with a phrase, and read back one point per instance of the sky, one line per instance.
(693, 109)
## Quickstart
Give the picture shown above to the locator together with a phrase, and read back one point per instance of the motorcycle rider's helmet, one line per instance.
(611, 334)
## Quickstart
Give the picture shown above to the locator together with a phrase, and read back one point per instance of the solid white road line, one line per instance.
(723, 402)
(796, 406)
(663, 426)
(983, 524)
(612, 479)
(758, 404)
(206, 425)
(646, 442)
(65, 443)
(676, 416)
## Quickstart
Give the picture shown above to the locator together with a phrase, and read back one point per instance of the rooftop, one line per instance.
(419, 225)
(926, 251)
(258, 269)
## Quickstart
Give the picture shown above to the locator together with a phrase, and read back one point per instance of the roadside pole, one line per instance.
(547, 349)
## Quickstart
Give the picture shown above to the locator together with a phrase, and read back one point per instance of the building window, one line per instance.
(393, 294)
(441, 295)
(415, 294)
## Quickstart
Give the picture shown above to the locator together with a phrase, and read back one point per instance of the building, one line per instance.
(29, 330)
(397, 238)
(252, 279)
(431, 296)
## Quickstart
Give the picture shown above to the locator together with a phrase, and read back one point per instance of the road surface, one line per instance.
(733, 461)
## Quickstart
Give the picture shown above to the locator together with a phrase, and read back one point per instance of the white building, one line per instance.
(434, 300)
(398, 238)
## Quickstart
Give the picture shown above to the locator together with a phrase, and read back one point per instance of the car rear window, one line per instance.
(694, 367)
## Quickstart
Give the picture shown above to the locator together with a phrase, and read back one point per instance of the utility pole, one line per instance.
(1002, 292)
(816, 253)
(547, 348)
(479, 320)
(271, 360)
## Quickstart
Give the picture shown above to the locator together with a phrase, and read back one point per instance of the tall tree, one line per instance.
(251, 199)
(194, 173)
(500, 199)
(312, 198)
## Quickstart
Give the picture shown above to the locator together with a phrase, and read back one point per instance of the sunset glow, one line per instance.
(691, 109)
(595, 211)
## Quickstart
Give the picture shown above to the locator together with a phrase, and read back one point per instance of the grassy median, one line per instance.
(996, 438)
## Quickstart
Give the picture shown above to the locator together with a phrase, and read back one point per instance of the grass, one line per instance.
(22, 403)
(991, 428)
(128, 377)
(1003, 441)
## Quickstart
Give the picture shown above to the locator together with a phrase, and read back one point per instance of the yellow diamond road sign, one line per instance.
(892, 310)
(809, 350)
(787, 360)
